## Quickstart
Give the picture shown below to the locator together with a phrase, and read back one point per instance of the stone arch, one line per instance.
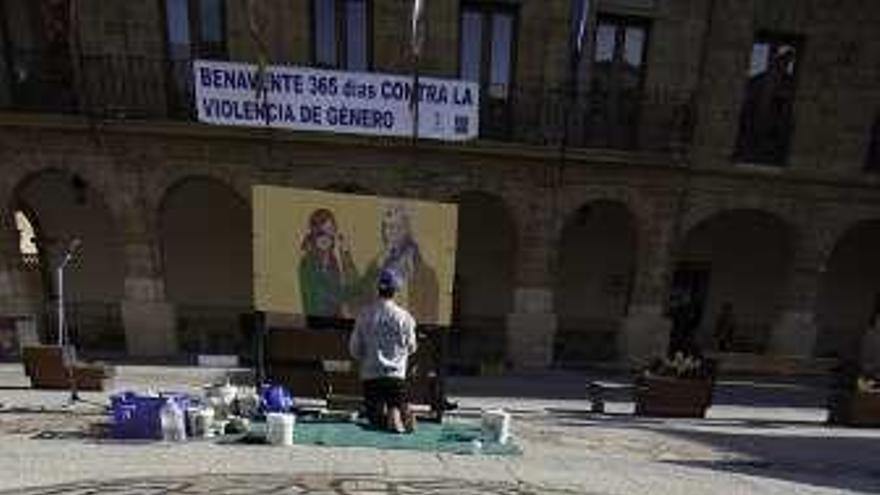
(703, 207)
(98, 171)
(837, 224)
(849, 289)
(100, 186)
(484, 277)
(205, 231)
(740, 257)
(576, 198)
(598, 256)
(62, 206)
(161, 183)
(638, 207)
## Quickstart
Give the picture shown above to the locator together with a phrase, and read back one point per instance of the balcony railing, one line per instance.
(654, 121)
(101, 86)
(140, 88)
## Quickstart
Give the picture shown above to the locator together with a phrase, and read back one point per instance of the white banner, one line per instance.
(309, 99)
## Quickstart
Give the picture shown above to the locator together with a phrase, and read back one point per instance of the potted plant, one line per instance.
(856, 402)
(678, 387)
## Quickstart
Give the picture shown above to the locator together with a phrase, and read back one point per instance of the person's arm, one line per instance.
(411, 344)
(354, 342)
(360, 287)
(307, 286)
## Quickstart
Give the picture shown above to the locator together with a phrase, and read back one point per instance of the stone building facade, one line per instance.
(586, 203)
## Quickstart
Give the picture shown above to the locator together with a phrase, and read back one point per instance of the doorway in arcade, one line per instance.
(730, 272)
(207, 257)
(483, 285)
(52, 209)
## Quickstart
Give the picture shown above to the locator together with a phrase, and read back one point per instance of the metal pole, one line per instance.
(415, 103)
(68, 254)
(260, 331)
(61, 305)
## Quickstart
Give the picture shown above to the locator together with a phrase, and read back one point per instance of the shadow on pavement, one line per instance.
(849, 463)
(745, 391)
(806, 452)
(577, 417)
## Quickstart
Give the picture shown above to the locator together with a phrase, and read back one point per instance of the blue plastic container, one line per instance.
(275, 399)
(137, 416)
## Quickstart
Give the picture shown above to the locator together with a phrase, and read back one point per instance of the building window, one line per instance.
(487, 43)
(872, 163)
(27, 236)
(195, 29)
(616, 79)
(765, 123)
(27, 240)
(340, 34)
(35, 38)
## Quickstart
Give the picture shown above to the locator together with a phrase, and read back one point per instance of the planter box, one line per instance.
(673, 397)
(855, 409)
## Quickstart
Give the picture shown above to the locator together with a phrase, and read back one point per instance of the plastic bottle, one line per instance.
(173, 422)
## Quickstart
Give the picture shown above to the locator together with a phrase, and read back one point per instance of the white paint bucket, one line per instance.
(496, 426)
(201, 422)
(279, 428)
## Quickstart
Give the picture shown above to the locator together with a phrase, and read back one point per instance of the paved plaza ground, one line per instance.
(761, 436)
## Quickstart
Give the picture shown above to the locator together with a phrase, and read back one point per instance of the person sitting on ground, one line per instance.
(383, 339)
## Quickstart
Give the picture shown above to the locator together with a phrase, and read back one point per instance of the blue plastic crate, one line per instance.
(137, 416)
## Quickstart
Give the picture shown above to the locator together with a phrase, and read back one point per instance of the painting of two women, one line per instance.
(331, 284)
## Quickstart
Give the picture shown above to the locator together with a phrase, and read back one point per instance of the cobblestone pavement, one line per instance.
(289, 485)
(758, 438)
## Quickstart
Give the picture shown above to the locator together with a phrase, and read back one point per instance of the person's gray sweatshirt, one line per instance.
(383, 338)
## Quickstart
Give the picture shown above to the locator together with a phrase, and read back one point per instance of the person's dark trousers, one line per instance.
(381, 394)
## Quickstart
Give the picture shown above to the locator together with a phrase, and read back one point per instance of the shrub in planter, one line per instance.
(678, 387)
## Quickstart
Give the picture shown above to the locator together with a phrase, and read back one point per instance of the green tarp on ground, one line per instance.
(451, 437)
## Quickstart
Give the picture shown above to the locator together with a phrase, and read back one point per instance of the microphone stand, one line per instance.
(67, 351)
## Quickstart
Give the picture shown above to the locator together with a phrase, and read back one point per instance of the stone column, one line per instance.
(531, 327)
(795, 331)
(149, 319)
(644, 333)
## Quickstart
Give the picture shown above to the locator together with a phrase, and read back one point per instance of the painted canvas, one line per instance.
(319, 254)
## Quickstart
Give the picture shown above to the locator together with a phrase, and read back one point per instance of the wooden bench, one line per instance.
(53, 367)
(598, 389)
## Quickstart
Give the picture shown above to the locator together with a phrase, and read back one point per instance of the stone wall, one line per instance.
(133, 172)
(697, 46)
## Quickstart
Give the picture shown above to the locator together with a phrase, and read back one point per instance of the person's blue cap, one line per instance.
(388, 280)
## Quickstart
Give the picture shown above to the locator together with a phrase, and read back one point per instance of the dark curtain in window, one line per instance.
(766, 116)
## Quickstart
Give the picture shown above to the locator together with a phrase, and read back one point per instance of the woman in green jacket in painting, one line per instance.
(325, 279)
